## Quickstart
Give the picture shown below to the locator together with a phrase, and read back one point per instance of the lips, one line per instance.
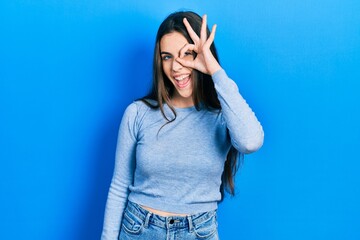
(182, 81)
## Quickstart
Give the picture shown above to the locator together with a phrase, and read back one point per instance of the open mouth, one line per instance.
(182, 81)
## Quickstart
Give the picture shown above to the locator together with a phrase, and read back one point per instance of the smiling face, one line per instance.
(180, 76)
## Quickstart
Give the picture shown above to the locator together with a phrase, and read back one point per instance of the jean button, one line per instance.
(171, 221)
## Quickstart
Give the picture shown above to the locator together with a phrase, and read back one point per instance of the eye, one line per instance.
(166, 57)
(188, 53)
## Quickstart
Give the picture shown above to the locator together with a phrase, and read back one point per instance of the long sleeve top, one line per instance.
(178, 168)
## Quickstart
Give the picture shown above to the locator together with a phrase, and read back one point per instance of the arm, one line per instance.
(123, 174)
(245, 130)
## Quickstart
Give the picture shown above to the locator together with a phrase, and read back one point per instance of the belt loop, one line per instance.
(147, 219)
(190, 223)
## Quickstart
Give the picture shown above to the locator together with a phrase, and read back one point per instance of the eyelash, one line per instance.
(167, 57)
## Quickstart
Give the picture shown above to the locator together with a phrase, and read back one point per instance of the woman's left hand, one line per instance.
(205, 61)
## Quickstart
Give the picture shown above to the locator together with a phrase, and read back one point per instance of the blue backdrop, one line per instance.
(69, 68)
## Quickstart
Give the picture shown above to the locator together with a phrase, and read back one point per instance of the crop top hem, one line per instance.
(190, 209)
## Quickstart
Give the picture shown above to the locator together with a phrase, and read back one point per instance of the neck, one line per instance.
(181, 102)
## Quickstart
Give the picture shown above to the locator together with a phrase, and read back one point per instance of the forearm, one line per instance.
(115, 205)
(245, 130)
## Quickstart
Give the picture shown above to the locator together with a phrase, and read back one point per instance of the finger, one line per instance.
(211, 38)
(203, 35)
(186, 63)
(190, 30)
(187, 47)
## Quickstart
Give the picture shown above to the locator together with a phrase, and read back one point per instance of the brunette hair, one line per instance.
(204, 93)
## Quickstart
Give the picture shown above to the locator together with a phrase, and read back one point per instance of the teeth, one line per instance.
(181, 77)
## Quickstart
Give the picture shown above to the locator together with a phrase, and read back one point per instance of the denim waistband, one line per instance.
(168, 222)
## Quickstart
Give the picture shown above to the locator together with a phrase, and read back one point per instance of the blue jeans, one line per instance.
(138, 223)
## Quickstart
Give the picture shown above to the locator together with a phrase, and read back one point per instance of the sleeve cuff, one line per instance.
(218, 75)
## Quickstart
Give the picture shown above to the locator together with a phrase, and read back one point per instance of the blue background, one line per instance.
(69, 68)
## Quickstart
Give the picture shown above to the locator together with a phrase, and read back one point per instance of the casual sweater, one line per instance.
(177, 167)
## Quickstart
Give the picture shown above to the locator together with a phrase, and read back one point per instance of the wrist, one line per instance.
(214, 69)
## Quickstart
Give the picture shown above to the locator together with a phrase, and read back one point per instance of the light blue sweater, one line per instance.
(178, 169)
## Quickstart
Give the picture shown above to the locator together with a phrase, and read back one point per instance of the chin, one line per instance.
(185, 94)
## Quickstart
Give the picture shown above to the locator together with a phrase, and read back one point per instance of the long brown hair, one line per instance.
(203, 87)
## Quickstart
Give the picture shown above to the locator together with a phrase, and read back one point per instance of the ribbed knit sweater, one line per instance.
(178, 168)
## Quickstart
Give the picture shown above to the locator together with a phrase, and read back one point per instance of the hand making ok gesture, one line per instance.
(205, 61)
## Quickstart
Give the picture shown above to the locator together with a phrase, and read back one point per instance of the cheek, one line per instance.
(166, 66)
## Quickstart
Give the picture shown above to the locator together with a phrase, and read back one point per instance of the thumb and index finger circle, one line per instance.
(185, 63)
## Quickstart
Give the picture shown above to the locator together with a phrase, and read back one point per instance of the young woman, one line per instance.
(177, 147)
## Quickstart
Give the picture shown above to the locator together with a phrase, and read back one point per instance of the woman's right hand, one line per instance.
(204, 61)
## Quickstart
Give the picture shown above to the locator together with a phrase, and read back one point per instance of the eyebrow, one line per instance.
(165, 53)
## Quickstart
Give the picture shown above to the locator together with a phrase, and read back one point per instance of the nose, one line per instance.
(176, 66)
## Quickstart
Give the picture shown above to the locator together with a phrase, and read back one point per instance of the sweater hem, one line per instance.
(190, 208)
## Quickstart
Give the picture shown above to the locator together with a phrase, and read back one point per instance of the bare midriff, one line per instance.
(163, 213)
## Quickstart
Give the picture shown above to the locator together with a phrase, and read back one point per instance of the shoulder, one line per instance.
(142, 106)
(139, 108)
